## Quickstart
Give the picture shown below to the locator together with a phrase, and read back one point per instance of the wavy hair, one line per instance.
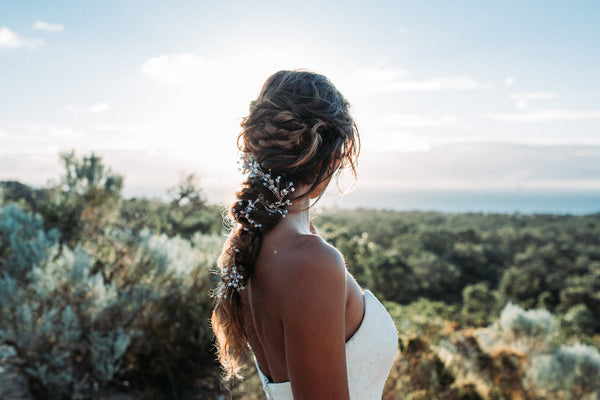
(299, 128)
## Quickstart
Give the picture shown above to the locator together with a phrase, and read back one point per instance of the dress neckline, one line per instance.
(266, 380)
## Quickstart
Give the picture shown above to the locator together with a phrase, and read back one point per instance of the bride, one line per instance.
(285, 295)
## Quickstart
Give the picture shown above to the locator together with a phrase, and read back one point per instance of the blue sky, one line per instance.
(447, 95)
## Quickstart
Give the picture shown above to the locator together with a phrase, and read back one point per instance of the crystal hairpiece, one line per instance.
(232, 277)
(278, 206)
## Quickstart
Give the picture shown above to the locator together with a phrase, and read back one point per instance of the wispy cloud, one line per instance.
(443, 83)
(36, 137)
(178, 69)
(10, 40)
(99, 107)
(206, 89)
(550, 115)
(47, 26)
(372, 80)
(119, 128)
(399, 121)
(405, 131)
(369, 80)
(485, 166)
(523, 100)
(94, 108)
(509, 81)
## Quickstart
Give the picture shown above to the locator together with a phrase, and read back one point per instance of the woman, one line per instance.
(285, 294)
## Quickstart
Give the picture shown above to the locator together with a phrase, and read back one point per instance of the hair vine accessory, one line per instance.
(231, 277)
(253, 168)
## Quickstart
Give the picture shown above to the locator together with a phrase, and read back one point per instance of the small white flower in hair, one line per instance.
(232, 277)
(253, 168)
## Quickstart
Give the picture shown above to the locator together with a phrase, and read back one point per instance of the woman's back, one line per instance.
(290, 270)
(370, 353)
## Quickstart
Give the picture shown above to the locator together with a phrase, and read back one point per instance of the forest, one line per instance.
(103, 296)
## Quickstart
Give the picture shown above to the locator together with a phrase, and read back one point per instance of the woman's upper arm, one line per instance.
(313, 317)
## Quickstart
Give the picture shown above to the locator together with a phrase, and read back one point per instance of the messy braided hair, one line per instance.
(300, 129)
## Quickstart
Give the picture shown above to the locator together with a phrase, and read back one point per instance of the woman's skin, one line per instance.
(307, 306)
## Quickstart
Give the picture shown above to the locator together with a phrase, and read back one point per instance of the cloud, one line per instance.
(550, 115)
(382, 140)
(484, 166)
(523, 100)
(373, 80)
(99, 107)
(10, 40)
(193, 71)
(94, 109)
(47, 26)
(205, 91)
(509, 81)
(119, 128)
(36, 137)
(179, 69)
(533, 96)
(399, 121)
(438, 84)
(406, 131)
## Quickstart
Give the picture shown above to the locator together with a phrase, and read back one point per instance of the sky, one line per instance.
(461, 95)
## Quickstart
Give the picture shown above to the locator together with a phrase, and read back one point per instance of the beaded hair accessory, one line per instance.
(231, 275)
(278, 206)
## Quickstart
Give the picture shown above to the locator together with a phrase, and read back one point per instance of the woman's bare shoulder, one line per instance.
(313, 268)
(314, 261)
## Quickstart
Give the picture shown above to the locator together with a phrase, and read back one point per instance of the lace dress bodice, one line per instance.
(370, 353)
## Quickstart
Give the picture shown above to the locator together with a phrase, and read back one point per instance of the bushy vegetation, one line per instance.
(105, 305)
(102, 295)
(477, 261)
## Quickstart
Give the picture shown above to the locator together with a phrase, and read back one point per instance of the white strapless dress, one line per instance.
(370, 353)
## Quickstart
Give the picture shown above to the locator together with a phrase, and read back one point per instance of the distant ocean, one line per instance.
(462, 201)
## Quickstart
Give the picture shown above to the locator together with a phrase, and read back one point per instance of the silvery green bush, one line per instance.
(77, 328)
(538, 323)
(23, 242)
(50, 301)
(573, 369)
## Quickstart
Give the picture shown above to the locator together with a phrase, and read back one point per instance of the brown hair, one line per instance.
(299, 128)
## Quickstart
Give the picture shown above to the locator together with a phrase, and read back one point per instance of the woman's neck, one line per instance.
(298, 217)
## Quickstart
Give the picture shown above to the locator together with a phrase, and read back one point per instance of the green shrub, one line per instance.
(572, 370)
(479, 304)
(142, 321)
(50, 301)
(579, 320)
(23, 242)
(537, 324)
